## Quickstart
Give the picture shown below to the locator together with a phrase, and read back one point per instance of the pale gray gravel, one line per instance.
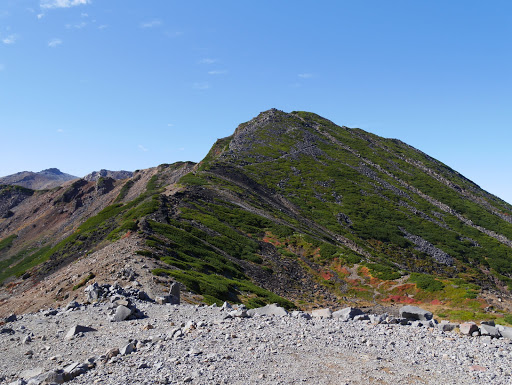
(257, 350)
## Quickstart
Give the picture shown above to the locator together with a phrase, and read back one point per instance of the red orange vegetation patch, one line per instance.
(327, 275)
(400, 299)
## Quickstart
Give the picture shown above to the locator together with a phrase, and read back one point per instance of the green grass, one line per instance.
(7, 242)
(426, 282)
(216, 288)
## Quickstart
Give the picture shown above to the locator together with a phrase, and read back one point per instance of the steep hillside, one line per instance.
(294, 209)
(41, 180)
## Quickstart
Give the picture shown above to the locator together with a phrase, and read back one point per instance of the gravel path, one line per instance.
(197, 345)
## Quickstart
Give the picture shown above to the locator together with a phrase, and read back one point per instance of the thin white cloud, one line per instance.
(200, 86)
(170, 125)
(54, 43)
(142, 148)
(62, 3)
(103, 26)
(305, 76)
(60, 130)
(83, 14)
(173, 34)
(217, 72)
(151, 24)
(40, 16)
(76, 26)
(11, 39)
(208, 61)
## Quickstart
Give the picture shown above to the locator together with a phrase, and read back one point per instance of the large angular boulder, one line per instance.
(174, 294)
(468, 328)
(78, 329)
(273, 309)
(347, 313)
(322, 313)
(505, 331)
(122, 313)
(415, 313)
(488, 330)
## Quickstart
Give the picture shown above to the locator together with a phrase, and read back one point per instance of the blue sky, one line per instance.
(130, 84)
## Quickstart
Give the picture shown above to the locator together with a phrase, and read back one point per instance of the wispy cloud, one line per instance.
(151, 24)
(173, 34)
(62, 3)
(170, 125)
(40, 16)
(217, 72)
(201, 86)
(76, 26)
(54, 43)
(208, 61)
(305, 76)
(11, 39)
(60, 130)
(103, 26)
(2, 67)
(142, 148)
(83, 14)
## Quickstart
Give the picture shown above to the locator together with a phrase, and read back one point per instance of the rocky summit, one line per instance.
(291, 210)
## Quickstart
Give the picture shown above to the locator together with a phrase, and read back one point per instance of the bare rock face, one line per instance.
(116, 175)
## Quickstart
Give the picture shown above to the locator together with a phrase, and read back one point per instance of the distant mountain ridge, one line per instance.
(45, 179)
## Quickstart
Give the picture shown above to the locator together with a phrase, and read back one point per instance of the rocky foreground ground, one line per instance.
(175, 344)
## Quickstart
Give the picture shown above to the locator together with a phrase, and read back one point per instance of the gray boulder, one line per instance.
(273, 309)
(77, 329)
(11, 318)
(347, 313)
(301, 314)
(446, 326)
(94, 292)
(122, 313)
(415, 313)
(505, 331)
(174, 293)
(127, 349)
(468, 328)
(322, 313)
(488, 330)
(378, 319)
(72, 305)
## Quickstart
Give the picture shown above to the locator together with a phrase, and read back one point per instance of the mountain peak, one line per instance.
(54, 171)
